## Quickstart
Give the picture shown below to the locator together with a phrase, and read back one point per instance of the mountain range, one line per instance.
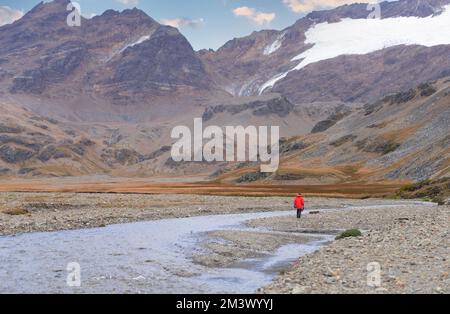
(368, 103)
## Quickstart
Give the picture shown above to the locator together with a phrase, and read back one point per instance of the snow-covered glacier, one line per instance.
(363, 36)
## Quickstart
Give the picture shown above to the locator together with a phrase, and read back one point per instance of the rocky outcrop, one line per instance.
(292, 146)
(252, 177)
(52, 152)
(340, 113)
(279, 106)
(11, 154)
(10, 129)
(343, 140)
(377, 145)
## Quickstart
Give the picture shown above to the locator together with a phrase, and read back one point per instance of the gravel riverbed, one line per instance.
(66, 211)
(404, 247)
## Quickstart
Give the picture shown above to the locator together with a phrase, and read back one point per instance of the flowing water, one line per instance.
(141, 257)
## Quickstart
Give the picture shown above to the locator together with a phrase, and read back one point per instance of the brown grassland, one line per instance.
(348, 190)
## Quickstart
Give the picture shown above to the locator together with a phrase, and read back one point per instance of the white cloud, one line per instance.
(129, 2)
(183, 22)
(244, 11)
(263, 18)
(8, 15)
(303, 6)
(256, 16)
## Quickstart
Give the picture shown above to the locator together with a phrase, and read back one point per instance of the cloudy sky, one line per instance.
(206, 23)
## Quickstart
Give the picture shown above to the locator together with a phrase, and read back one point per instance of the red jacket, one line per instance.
(299, 202)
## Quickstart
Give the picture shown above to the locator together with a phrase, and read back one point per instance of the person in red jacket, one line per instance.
(299, 204)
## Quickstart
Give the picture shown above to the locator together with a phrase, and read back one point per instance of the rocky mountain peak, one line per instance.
(389, 9)
(116, 58)
(48, 8)
(135, 13)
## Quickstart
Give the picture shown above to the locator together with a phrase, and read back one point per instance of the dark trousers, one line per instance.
(299, 213)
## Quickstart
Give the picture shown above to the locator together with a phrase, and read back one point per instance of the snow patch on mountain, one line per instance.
(363, 36)
(137, 42)
(121, 50)
(275, 45)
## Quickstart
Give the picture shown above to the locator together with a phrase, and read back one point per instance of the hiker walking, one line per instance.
(299, 204)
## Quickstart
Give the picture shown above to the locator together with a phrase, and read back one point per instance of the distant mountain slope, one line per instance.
(116, 58)
(265, 61)
(102, 99)
(365, 78)
(121, 58)
(404, 136)
(33, 145)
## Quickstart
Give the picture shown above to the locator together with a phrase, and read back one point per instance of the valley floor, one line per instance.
(32, 212)
(194, 185)
(408, 240)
